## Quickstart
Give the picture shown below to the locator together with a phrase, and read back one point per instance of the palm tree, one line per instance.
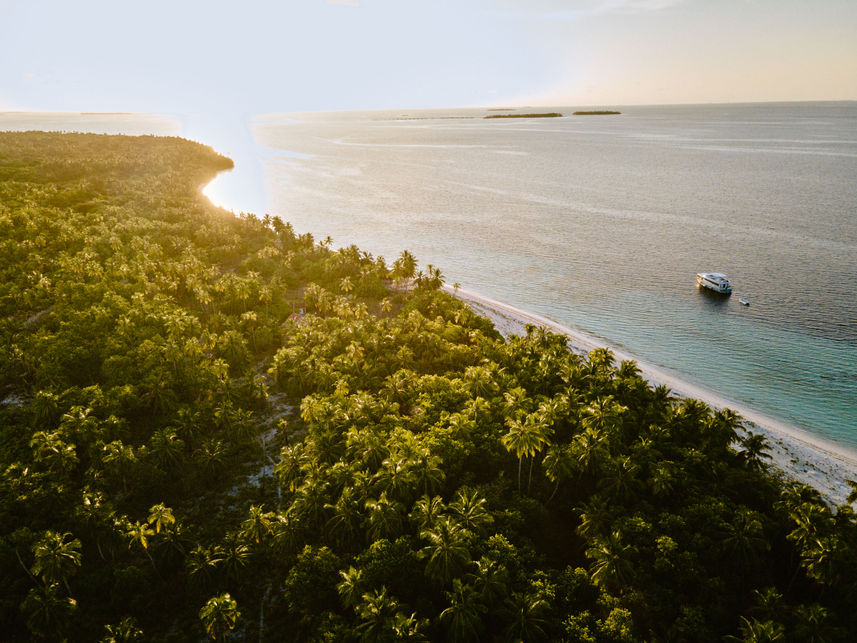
(385, 517)
(167, 448)
(610, 560)
(257, 527)
(769, 602)
(45, 408)
(515, 401)
(266, 296)
(288, 469)
(351, 587)
(603, 413)
(367, 447)
(235, 556)
(47, 610)
(744, 537)
(482, 380)
(219, 616)
(755, 451)
(396, 478)
(689, 415)
(377, 612)
(79, 421)
(463, 616)
(663, 477)
(471, 510)
(212, 457)
(628, 370)
(288, 532)
(852, 495)
(344, 524)
(813, 624)
(139, 533)
(427, 471)
(124, 631)
(526, 612)
(426, 511)
(161, 517)
(589, 451)
(753, 631)
(50, 450)
(721, 430)
(56, 557)
(559, 465)
(409, 264)
(525, 438)
(409, 628)
(202, 562)
(434, 277)
(96, 517)
(446, 551)
(490, 579)
(821, 559)
(595, 518)
(621, 483)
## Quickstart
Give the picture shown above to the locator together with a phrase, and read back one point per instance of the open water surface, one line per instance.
(598, 222)
(602, 222)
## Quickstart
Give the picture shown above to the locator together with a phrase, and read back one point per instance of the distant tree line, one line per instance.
(542, 115)
(185, 454)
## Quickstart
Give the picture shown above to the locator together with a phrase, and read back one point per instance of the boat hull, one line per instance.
(713, 287)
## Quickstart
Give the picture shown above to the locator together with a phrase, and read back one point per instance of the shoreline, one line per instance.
(795, 453)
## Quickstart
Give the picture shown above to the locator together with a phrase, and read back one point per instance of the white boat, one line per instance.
(716, 281)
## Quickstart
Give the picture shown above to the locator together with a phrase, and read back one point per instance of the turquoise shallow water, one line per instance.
(601, 223)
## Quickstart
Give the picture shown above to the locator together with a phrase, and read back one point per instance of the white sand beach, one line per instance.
(796, 454)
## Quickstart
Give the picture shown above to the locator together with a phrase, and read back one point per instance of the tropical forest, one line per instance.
(216, 427)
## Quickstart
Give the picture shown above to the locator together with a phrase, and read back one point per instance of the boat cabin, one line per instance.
(716, 281)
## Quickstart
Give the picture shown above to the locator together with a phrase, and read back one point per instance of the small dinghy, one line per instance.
(743, 301)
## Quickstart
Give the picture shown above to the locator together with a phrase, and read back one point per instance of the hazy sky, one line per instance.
(252, 56)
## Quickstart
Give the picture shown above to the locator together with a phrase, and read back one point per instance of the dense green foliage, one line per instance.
(185, 455)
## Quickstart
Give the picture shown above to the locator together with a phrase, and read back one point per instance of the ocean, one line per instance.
(599, 223)
(602, 222)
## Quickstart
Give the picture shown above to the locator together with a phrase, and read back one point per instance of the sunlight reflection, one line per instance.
(241, 189)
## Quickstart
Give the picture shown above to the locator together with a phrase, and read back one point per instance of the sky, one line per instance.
(252, 57)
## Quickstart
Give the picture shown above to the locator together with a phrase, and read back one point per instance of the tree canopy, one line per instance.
(212, 425)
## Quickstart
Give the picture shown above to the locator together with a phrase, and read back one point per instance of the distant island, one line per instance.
(545, 115)
(213, 427)
(600, 112)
